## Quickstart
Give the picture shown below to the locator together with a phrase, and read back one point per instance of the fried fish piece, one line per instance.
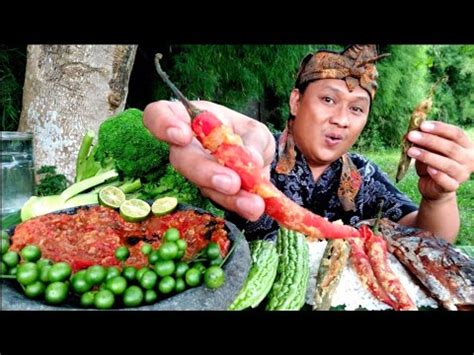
(330, 270)
(417, 117)
(447, 274)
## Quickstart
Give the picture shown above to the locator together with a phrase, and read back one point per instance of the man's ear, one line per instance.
(294, 101)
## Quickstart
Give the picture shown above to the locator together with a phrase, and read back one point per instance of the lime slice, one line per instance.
(111, 196)
(164, 206)
(134, 210)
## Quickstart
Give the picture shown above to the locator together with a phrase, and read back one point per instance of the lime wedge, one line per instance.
(164, 206)
(111, 196)
(134, 210)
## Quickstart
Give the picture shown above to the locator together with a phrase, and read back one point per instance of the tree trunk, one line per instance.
(68, 90)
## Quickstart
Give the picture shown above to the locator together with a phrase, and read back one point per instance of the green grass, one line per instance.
(388, 159)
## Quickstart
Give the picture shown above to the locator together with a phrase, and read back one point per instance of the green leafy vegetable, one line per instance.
(51, 183)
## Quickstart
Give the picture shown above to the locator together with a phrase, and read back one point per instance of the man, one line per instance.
(329, 108)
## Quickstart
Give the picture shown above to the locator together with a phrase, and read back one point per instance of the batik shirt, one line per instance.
(321, 196)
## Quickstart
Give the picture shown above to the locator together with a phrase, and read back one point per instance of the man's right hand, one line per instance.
(170, 122)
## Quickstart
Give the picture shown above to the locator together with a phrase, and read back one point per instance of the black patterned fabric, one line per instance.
(321, 196)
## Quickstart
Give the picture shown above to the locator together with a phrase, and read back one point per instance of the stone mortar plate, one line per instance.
(199, 298)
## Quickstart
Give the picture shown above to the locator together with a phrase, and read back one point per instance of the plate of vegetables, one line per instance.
(173, 257)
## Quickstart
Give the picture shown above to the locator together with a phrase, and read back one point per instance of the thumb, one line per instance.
(256, 156)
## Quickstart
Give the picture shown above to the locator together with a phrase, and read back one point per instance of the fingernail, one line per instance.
(427, 126)
(176, 135)
(413, 152)
(432, 171)
(223, 183)
(416, 136)
(245, 206)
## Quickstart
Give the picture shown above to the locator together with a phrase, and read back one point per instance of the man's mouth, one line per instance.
(332, 139)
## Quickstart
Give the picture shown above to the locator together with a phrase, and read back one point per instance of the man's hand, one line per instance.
(170, 122)
(444, 159)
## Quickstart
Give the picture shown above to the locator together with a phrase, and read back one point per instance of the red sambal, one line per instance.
(91, 236)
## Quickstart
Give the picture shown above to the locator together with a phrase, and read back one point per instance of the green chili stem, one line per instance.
(192, 110)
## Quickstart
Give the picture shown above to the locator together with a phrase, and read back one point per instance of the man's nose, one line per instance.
(340, 117)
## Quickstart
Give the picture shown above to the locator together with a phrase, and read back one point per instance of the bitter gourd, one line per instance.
(289, 289)
(260, 277)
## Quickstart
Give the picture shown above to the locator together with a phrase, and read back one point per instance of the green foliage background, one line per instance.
(239, 75)
(236, 75)
(12, 74)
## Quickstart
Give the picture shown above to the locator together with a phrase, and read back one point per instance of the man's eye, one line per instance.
(358, 109)
(328, 99)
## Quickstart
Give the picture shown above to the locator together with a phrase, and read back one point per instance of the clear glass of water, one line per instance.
(17, 170)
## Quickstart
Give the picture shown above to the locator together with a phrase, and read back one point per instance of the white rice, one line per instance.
(316, 251)
(352, 294)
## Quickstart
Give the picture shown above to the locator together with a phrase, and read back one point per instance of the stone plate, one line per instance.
(198, 298)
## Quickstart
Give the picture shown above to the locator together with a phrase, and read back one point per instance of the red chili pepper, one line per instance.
(361, 264)
(376, 248)
(229, 150)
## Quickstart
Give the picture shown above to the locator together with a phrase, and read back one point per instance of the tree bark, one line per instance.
(68, 90)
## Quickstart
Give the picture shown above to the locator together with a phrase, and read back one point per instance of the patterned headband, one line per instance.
(355, 65)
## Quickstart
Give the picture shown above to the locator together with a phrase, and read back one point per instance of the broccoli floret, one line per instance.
(135, 151)
(126, 147)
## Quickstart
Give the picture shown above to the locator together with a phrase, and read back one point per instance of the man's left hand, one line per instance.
(444, 158)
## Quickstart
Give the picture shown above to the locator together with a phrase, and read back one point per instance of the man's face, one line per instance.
(328, 120)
